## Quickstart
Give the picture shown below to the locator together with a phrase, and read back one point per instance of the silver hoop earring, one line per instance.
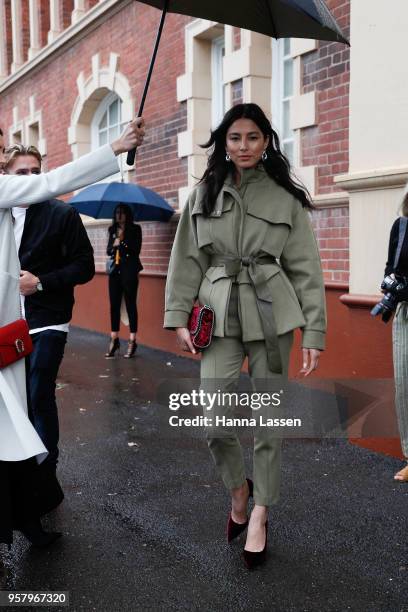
(228, 157)
(264, 156)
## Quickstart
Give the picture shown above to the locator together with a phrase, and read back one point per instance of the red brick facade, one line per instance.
(130, 33)
(331, 227)
(9, 35)
(327, 72)
(67, 8)
(44, 21)
(326, 145)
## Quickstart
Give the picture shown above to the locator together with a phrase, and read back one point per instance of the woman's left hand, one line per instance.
(310, 361)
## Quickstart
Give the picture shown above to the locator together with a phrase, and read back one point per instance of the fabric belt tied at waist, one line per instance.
(233, 265)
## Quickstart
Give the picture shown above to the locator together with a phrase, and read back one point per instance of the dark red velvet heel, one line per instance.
(254, 559)
(235, 529)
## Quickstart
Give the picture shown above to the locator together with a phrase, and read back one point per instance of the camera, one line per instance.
(396, 290)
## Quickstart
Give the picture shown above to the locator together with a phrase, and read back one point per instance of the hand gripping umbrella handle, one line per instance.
(131, 154)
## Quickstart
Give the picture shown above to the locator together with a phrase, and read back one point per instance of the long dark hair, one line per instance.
(276, 165)
(128, 214)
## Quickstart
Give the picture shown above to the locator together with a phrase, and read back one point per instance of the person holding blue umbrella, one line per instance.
(124, 245)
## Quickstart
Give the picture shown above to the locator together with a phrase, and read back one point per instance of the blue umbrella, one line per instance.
(99, 201)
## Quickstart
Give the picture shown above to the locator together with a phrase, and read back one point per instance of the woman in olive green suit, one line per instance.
(245, 246)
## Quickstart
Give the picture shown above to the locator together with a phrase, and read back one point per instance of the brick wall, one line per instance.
(130, 33)
(9, 35)
(331, 226)
(44, 21)
(326, 145)
(327, 71)
(25, 33)
(67, 8)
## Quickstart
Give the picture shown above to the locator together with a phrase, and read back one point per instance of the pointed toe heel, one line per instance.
(235, 529)
(255, 559)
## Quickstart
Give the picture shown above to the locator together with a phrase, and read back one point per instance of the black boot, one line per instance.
(36, 535)
(48, 491)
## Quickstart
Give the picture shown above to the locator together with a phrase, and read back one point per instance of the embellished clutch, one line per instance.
(15, 342)
(201, 325)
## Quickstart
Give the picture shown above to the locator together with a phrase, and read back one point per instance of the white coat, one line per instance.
(18, 438)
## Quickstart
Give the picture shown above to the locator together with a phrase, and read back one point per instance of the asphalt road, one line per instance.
(145, 512)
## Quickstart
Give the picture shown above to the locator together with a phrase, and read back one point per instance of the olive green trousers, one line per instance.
(221, 365)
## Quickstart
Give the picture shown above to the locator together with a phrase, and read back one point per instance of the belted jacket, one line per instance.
(260, 236)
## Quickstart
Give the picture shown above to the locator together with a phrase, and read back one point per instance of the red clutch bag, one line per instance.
(15, 342)
(200, 325)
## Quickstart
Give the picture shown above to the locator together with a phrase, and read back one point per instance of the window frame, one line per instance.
(96, 119)
(279, 58)
(217, 80)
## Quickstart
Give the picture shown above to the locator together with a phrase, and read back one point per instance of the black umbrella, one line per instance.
(277, 18)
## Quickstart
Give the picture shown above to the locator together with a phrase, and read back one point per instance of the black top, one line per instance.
(129, 248)
(56, 248)
(402, 267)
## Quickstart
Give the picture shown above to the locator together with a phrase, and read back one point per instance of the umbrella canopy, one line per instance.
(99, 201)
(277, 18)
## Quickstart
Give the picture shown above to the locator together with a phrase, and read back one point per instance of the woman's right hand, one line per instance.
(184, 340)
(116, 242)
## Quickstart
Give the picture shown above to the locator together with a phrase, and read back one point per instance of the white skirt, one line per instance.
(18, 438)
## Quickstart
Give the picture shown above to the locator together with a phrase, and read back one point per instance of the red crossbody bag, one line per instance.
(15, 342)
(201, 325)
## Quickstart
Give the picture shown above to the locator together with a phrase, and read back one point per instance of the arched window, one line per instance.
(106, 127)
(107, 122)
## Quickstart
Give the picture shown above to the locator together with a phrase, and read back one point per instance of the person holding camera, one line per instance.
(395, 287)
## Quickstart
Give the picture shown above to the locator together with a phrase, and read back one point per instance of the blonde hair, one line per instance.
(17, 150)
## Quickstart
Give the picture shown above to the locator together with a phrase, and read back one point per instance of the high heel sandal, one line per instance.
(235, 529)
(132, 346)
(113, 347)
(253, 559)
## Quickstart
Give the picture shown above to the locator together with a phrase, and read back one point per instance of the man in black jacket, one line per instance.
(55, 255)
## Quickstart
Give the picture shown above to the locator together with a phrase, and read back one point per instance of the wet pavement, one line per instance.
(144, 515)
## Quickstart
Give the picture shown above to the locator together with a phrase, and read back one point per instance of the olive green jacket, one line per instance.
(257, 217)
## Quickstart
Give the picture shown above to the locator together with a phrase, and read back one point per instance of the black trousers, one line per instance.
(42, 369)
(123, 284)
(19, 502)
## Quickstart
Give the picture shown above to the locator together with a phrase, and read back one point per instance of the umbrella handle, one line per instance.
(131, 154)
